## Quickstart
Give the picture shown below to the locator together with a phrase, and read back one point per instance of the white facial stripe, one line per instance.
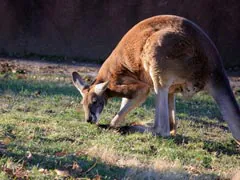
(97, 116)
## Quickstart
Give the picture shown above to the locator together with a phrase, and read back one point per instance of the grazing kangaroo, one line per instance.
(168, 54)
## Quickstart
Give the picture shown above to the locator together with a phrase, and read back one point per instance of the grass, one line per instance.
(43, 136)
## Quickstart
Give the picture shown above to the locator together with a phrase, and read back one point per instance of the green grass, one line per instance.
(42, 130)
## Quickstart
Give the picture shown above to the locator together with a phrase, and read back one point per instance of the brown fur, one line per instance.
(164, 53)
(179, 52)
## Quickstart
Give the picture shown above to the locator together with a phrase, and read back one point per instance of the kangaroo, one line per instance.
(168, 54)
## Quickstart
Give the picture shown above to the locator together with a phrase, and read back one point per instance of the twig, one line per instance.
(87, 171)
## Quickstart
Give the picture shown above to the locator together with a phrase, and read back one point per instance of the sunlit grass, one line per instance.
(43, 118)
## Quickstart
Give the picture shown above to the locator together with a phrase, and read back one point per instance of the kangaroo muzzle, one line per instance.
(92, 119)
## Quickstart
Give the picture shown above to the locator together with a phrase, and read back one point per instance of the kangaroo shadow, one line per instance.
(127, 129)
(210, 146)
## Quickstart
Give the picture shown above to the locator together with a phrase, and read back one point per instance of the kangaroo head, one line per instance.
(93, 97)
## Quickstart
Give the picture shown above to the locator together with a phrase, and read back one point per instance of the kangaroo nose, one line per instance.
(92, 119)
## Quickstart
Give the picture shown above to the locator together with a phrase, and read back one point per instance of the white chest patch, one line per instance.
(189, 90)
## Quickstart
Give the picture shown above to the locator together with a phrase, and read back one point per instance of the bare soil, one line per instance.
(45, 67)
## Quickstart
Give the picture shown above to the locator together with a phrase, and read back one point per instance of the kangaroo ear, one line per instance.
(78, 82)
(100, 88)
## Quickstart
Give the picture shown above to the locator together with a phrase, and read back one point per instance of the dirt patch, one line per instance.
(27, 66)
(43, 70)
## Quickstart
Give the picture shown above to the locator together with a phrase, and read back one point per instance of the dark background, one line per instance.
(91, 29)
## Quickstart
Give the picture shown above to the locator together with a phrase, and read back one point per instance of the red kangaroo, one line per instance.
(168, 54)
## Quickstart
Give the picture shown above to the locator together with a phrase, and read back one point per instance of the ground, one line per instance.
(43, 134)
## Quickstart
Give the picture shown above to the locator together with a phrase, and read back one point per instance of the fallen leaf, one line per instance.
(41, 170)
(193, 170)
(97, 177)
(15, 171)
(44, 171)
(7, 170)
(60, 154)
(76, 166)
(6, 141)
(63, 173)
(20, 173)
(30, 137)
(29, 155)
